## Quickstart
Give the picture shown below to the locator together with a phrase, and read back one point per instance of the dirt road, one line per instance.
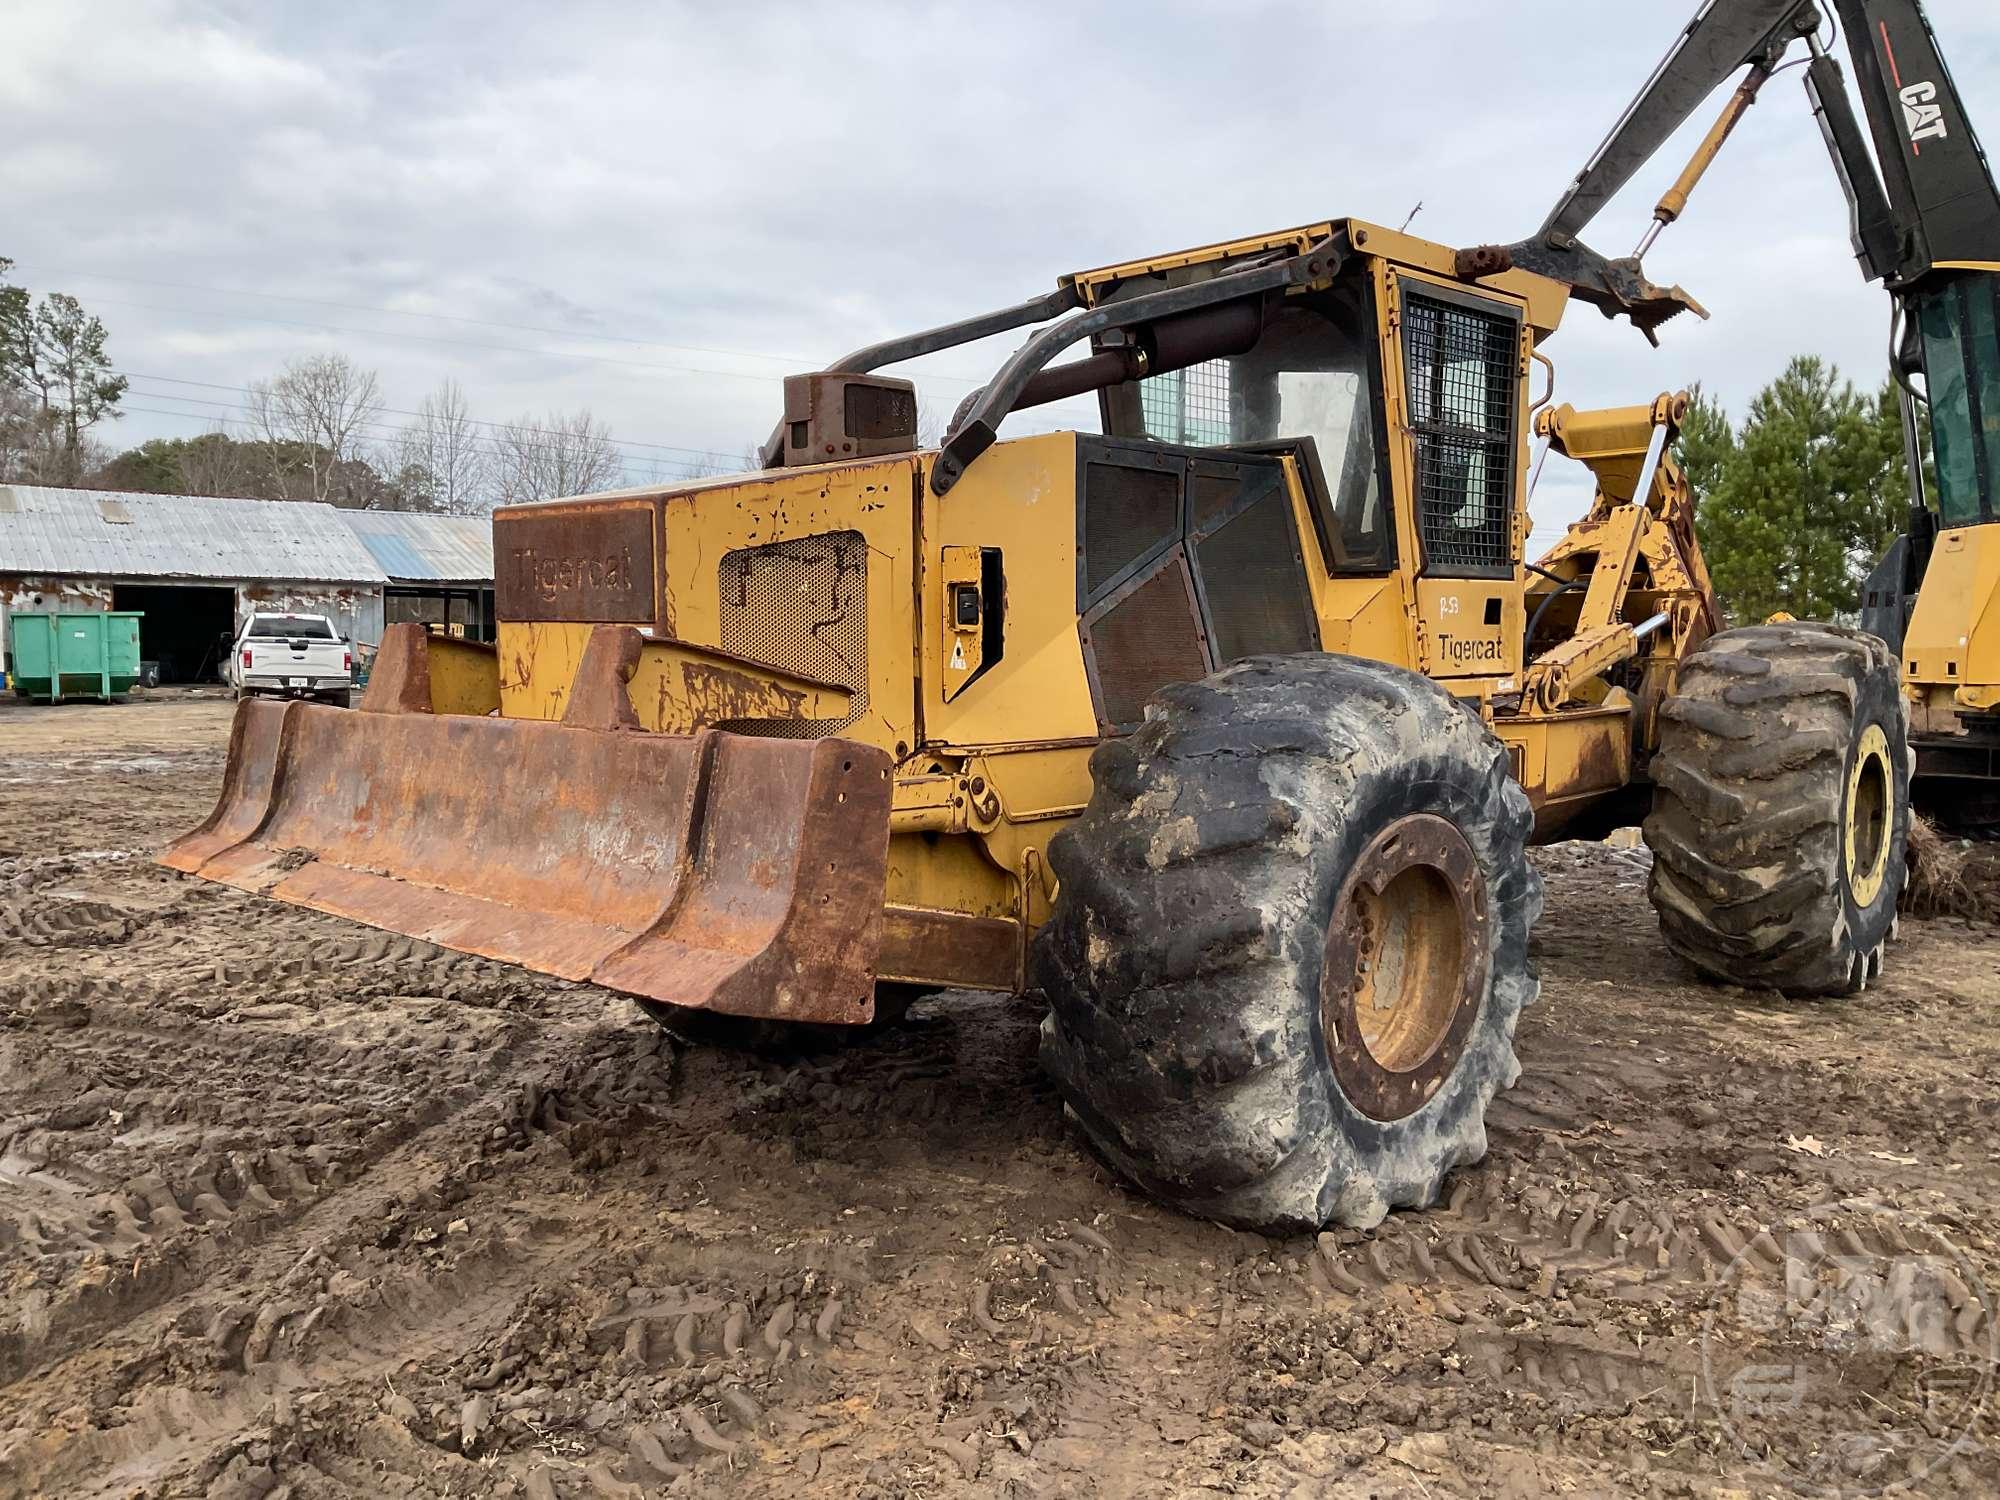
(290, 1207)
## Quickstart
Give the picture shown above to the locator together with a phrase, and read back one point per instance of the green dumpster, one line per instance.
(74, 655)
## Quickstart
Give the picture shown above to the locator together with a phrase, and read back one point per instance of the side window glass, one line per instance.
(1962, 377)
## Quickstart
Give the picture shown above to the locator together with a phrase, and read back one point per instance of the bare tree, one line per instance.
(309, 422)
(213, 464)
(932, 421)
(560, 453)
(444, 452)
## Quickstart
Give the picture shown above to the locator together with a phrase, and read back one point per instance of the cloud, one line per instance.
(800, 179)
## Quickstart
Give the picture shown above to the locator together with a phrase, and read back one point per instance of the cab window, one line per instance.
(1313, 375)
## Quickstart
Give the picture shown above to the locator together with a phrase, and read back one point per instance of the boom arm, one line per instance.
(1921, 200)
(1940, 187)
(1727, 35)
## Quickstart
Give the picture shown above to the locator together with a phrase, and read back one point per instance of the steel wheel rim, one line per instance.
(1406, 965)
(1870, 807)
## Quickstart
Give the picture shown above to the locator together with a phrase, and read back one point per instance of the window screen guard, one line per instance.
(1461, 359)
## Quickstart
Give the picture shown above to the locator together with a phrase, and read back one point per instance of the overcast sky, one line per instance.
(657, 210)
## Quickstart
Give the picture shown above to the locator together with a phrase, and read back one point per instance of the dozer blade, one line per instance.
(729, 872)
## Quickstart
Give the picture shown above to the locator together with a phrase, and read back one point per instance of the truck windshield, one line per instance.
(290, 627)
(1962, 373)
(1311, 375)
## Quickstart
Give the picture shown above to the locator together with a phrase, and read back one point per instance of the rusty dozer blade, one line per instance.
(730, 872)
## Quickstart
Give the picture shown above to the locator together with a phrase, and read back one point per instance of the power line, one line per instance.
(797, 363)
(421, 338)
(661, 467)
(793, 360)
(241, 390)
(961, 380)
(377, 432)
(483, 442)
(794, 363)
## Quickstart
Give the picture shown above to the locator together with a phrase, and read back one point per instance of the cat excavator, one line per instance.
(1924, 219)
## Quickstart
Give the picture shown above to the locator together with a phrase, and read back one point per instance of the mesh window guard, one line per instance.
(1462, 365)
(1188, 406)
(800, 606)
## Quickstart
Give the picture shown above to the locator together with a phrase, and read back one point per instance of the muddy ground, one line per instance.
(291, 1207)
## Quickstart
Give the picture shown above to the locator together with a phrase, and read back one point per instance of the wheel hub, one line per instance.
(1406, 965)
(1871, 805)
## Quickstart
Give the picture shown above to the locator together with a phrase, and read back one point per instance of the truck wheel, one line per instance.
(707, 1028)
(1781, 808)
(1291, 943)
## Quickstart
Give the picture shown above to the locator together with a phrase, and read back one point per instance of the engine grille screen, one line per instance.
(1144, 641)
(1249, 568)
(1462, 367)
(801, 605)
(1127, 513)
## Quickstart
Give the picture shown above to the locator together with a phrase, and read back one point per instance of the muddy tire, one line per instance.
(1781, 808)
(707, 1028)
(1291, 943)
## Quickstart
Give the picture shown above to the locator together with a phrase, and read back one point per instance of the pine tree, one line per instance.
(1707, 440)
(73, 373)
(16, 321)
(1799, 502)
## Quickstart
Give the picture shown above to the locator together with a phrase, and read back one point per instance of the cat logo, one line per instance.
(1922, 114)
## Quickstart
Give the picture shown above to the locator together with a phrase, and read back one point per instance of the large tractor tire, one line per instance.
(1291, 943)
(1781, 808)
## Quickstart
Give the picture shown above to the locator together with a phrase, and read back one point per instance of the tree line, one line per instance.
(317, 430)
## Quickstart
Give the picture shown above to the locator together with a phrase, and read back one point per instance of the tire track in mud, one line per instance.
(253, 1354)
(319, 1324)
(555, 1251)
(169, 1149)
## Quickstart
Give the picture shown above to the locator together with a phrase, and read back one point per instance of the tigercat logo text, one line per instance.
(554, 577)
(1465, 651)
(1922, 113)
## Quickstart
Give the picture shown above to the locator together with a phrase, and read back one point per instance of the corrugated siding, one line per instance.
(177, 536)
(426, 549)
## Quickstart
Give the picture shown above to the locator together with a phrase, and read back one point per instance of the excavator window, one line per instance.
(1960, 323)
(1314, 374)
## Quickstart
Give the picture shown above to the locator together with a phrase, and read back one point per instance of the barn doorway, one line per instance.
(186, 627)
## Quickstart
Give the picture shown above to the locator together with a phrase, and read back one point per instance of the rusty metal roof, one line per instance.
(415, 548)
(118, 535)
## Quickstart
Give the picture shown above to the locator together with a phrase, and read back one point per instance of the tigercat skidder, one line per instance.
(1226, 729)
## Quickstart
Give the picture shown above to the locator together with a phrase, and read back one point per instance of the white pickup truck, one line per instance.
(292, 656)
